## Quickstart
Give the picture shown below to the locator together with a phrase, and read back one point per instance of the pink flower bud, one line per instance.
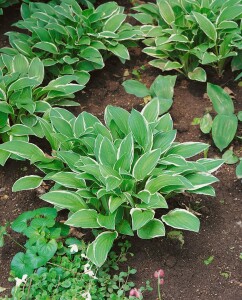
(135, 293)
(160, 273)
(161, 281)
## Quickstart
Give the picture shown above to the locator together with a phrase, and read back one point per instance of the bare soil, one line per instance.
(186, 275)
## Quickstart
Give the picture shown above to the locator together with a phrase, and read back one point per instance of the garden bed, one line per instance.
(187, 276)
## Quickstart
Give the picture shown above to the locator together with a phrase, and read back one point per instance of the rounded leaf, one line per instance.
(182, 219)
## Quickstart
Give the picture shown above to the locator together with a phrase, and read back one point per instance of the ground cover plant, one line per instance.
(54, 264)
(70, 40)
(118, 193)
(188, 35)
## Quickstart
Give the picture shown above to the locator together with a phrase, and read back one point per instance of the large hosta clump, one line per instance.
(114, 177)
(71, 40)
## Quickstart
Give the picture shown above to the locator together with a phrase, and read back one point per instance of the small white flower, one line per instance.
(87, 296)
(83, 255)
(19, 281)
(86, 267)
(74, 248)
(88, 271)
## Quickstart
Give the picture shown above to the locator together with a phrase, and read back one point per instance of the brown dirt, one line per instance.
(187, 277)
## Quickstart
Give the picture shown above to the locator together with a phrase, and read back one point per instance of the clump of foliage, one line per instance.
(55, 266)
(44, 236)
(224, 126)
(113, 178)
(163, 96)
(22, 97)
(187, 35)
(69, 39)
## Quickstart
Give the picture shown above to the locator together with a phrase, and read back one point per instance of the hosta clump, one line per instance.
(22, 97)
(114, 177)
(187, 35)
(70, 40)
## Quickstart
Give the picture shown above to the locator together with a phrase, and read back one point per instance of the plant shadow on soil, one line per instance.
(186, 275)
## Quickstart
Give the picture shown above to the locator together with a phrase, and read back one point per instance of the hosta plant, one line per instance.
(114, 177)
(161, 89)
(70, 40)
(188, 35)
(224, 125)
(22, 97)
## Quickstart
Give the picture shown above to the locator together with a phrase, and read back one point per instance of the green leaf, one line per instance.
(112, 24)
(229, 13)
(118, 115)
(126, 152)
(124, 228)
(84, 218)
(145, 164)
(27, 183)
(47, 46)
(36, 69)
(188, 149)
(239, 116)
(119, 50)
(64, 200)
(136, 88)
(3, 231)
(199, 180)
(222, 102)
(151, 110)
(6, 108)
(206, 123)
(198, 74)
(163, 141)
(103, 241)
(164, 94)
(166, 11)
(115, 202)
(230, 158)
(239, 170)
(208, 261)
(182, 219)
(152, 229)
(140, 217)
(156, 184)
(25, 150)
(22, 83)
(93, 55)
(21, 266)
(206, 26)
(67, 179)
(107, 153)
(140, 129)
(107, 221)
(223, 130)
(20, 64)
(46, 249)
(164, 123)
